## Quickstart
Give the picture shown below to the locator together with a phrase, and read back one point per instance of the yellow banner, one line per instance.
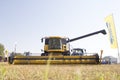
(112, 32)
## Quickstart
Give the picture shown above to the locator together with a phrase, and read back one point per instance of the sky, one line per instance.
(24, 22)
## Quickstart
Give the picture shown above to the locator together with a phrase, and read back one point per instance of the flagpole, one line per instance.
(118, 61)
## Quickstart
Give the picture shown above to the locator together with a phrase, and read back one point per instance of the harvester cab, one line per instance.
(57, 51)
(55, 45)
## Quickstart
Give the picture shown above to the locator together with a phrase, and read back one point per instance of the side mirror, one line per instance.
(42, 40)
(41, 50)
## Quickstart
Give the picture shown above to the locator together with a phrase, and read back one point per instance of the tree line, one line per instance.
(2, 52)
(2, 49)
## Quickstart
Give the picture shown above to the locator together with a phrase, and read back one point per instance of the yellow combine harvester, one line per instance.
(57, 51)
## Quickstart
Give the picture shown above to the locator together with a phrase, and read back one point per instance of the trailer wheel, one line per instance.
(10, 60)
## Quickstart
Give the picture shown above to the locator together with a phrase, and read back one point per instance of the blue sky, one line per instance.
(25, 22)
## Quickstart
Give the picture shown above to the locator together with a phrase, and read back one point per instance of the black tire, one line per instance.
(97, 58)
(46, 54)
(43, 54)
(10, 60)
(66, 53)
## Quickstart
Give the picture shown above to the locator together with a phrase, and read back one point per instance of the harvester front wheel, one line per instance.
(66, 53)
(44, 54)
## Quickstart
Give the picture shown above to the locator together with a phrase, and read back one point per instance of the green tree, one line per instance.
(1, 49)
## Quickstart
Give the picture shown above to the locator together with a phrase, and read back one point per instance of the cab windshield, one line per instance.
(55, 43)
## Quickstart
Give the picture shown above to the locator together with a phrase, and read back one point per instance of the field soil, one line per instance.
(59, 72)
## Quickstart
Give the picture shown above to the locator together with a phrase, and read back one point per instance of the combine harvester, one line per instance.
(57, 51)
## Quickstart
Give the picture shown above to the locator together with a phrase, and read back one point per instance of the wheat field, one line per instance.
(59, 72)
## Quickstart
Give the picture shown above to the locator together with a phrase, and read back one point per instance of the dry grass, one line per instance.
(59, 72)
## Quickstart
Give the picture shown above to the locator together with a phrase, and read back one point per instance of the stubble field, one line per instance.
(59, 72)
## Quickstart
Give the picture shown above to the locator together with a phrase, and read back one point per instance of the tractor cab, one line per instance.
(78, 51)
